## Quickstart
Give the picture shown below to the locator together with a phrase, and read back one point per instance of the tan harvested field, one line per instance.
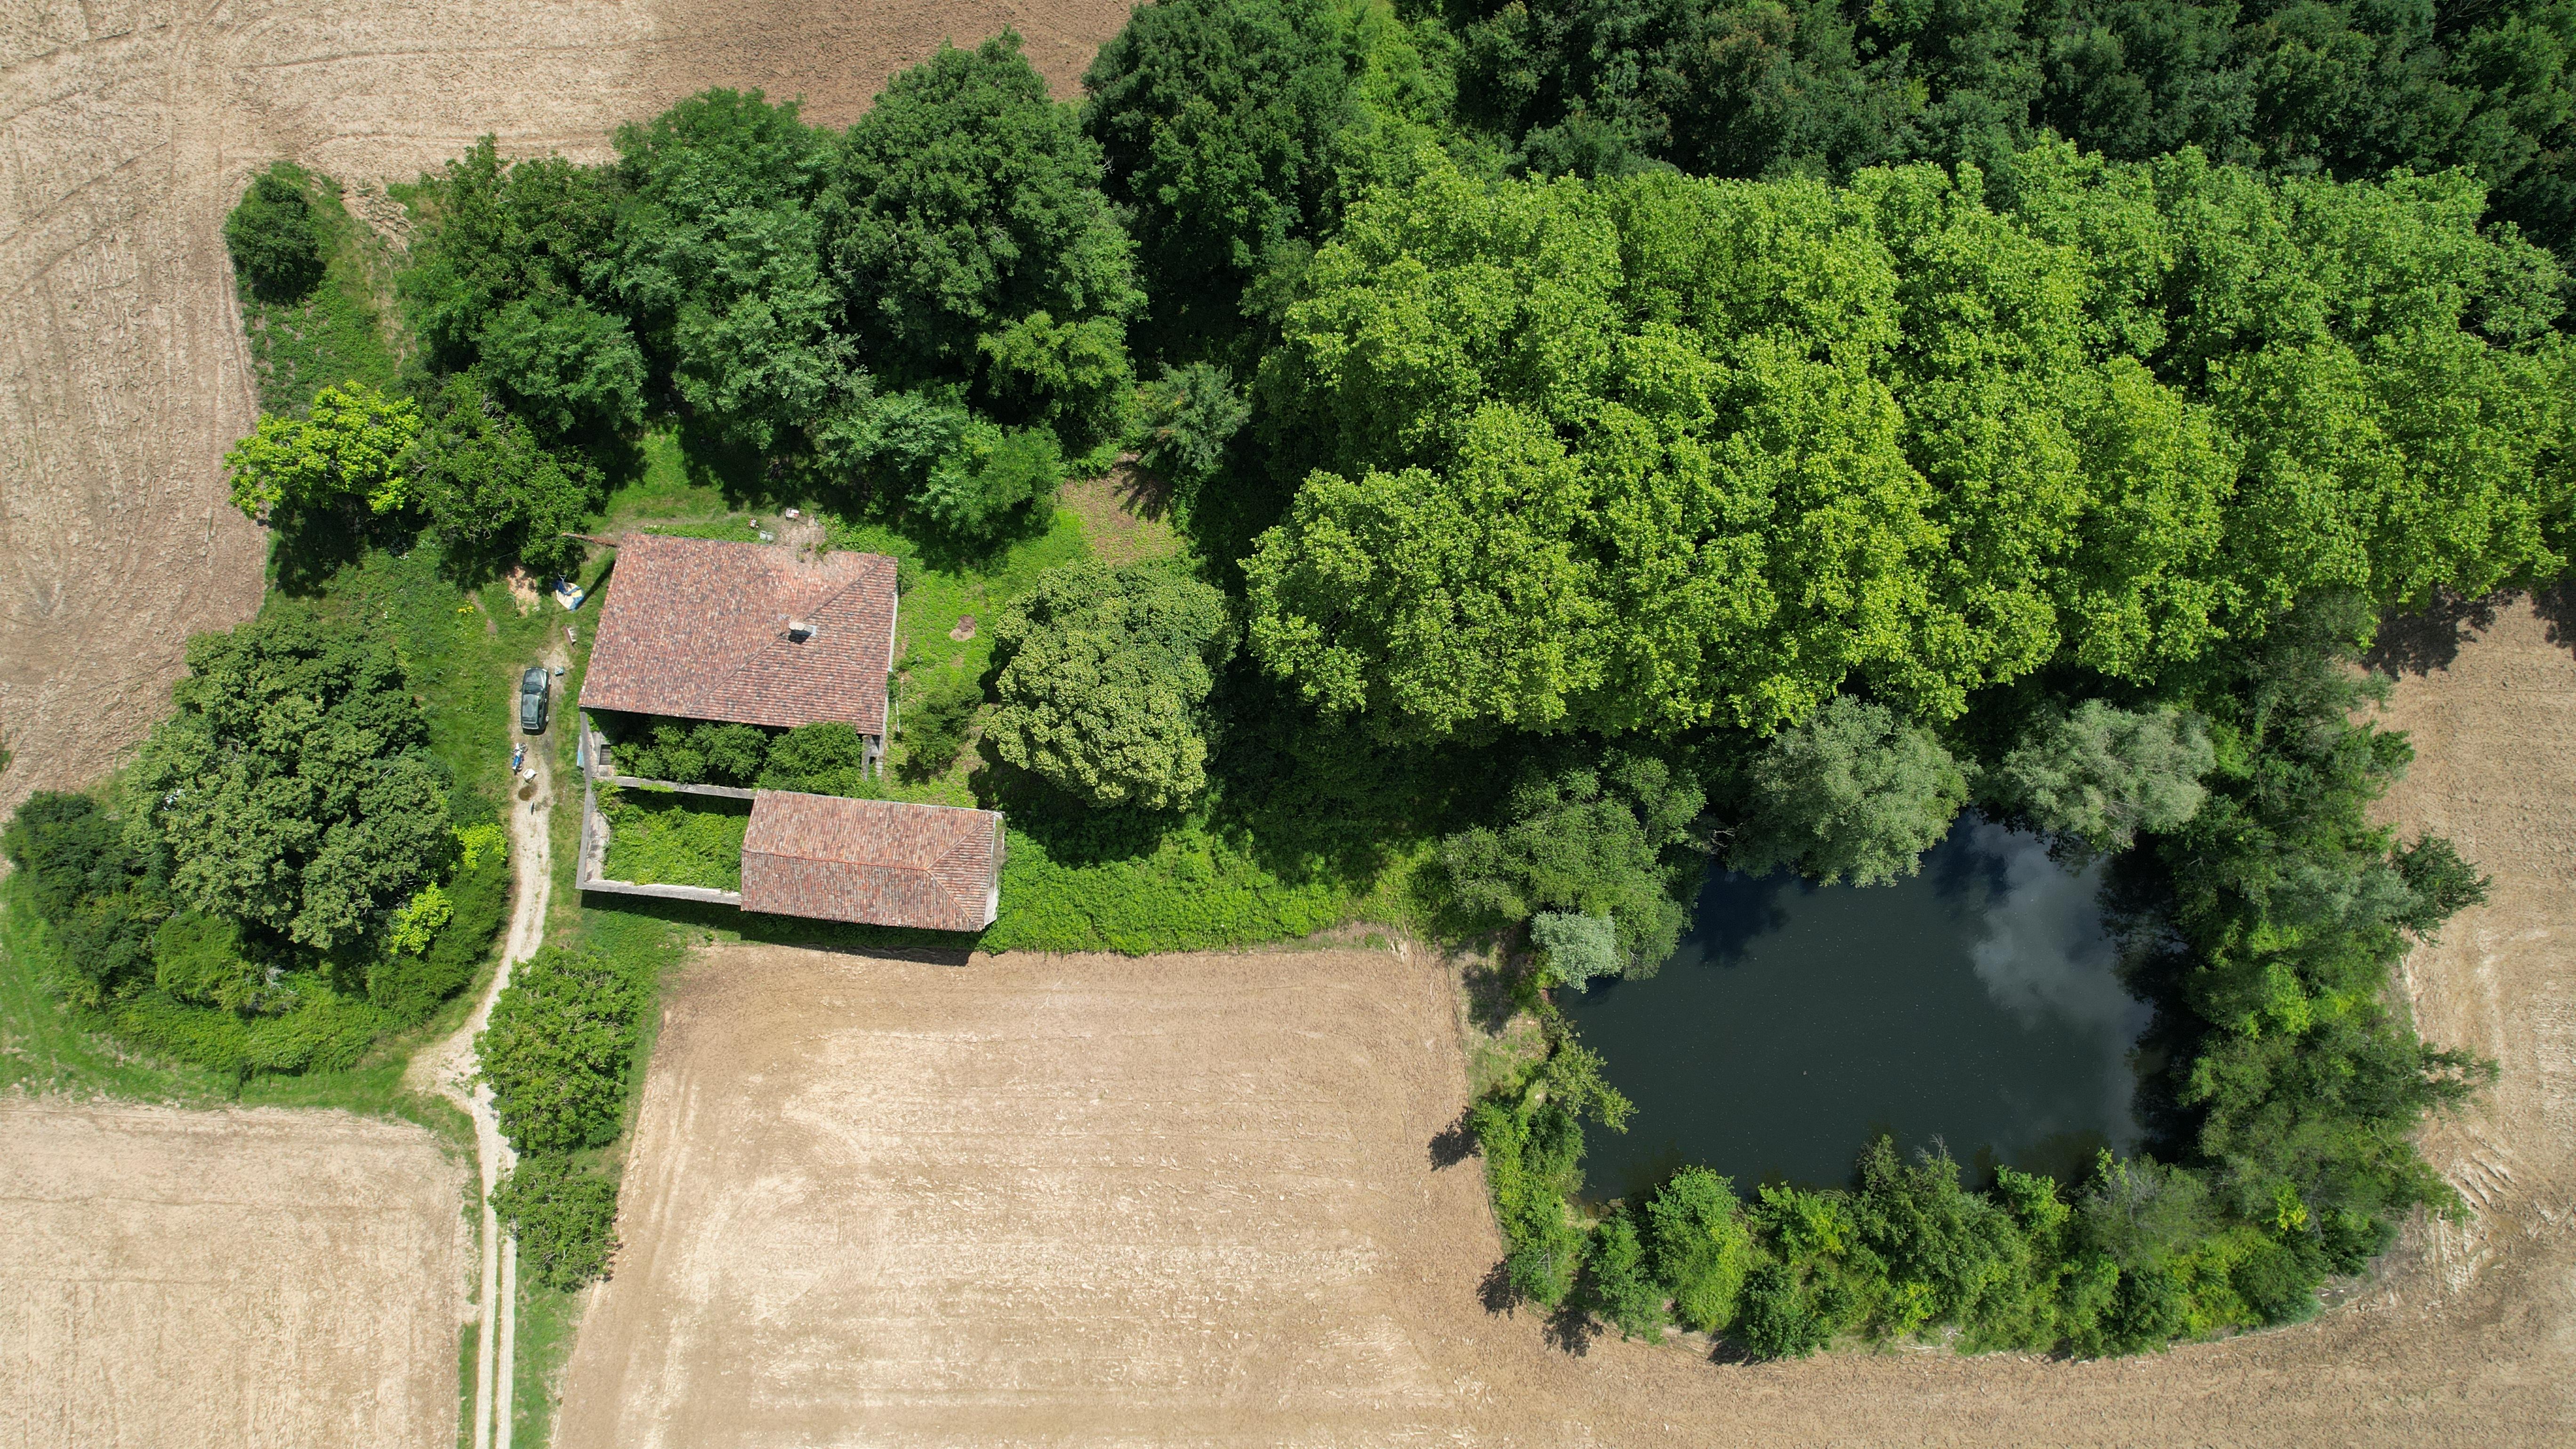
(176, 1279)
(1191, 1200)
(128, 127)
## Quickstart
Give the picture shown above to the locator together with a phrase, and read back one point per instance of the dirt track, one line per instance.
(1190, 1200)
(175, 1279)
(127, 127)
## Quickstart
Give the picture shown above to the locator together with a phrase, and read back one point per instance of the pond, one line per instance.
(1977, 1003)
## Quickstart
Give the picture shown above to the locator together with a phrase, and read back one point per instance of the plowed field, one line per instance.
(181, 1279)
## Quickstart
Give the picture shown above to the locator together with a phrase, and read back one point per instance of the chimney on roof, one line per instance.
(800, 630)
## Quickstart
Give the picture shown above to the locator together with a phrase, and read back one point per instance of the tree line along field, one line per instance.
(1566, 501)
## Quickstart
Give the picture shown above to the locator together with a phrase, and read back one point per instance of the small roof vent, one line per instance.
(800, 630)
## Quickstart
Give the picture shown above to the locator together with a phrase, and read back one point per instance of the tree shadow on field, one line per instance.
(1452, 1144)
(1727, 1351)
(1572, 1330)
(2421, 640)
(2556, 606)
(1495, 1290)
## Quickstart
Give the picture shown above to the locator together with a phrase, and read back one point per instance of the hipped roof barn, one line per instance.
(885, 862)
(745, 632)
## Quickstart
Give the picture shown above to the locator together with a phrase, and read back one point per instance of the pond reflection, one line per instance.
(1978, 1003)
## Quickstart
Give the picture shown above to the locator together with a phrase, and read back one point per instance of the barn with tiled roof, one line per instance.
(765, 635)
(884, 862)
(745, 632)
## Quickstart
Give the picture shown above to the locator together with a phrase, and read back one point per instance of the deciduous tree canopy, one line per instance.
(970, 242)
(2098, 775)
(1853, 793)
(1104, 680)
(293, 789)
(1217, 119)
(275, 243)
(348, 453)
(1658, 452)
(1609, 841)
(1761, 87)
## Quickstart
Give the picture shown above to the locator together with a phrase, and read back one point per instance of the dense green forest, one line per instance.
(1608, 439)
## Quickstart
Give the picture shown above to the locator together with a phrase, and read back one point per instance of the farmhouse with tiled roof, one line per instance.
(745, 632)
(761, 634)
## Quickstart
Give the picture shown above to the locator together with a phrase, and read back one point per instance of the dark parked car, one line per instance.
(534, 691)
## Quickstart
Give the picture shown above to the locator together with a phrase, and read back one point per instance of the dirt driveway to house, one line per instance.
(129, 127)
(1192, 1200)
(175, 1279)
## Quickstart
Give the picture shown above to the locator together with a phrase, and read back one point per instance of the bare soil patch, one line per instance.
(1200, 1200)
(178, 1278)
(131, 127)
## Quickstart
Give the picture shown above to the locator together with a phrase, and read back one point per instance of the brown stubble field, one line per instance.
(127, 129)
(1193, 1200)
(176, 1279)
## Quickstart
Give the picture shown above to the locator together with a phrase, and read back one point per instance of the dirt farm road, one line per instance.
(1190, 1200)
(128, 127)
(449, 1068)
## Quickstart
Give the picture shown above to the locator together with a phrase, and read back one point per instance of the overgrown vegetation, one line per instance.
(824, 758)
(659, 837)
(560, 1057)
(558, 1049)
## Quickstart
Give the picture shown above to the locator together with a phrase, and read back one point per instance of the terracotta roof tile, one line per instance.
(879, 862)
(698, 629)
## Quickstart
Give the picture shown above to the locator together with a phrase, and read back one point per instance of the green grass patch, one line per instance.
(547, 1321)
(468, 1339)
(659, 837)
(336, 332)
(722, 530)
(1194, 890)
(667, 486)
(938, 599)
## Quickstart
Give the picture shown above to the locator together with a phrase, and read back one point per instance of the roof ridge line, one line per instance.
(834, 860)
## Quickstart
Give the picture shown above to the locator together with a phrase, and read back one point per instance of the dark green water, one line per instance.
(1975, 1003)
